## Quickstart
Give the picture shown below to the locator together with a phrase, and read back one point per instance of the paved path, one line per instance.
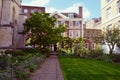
(50, 70)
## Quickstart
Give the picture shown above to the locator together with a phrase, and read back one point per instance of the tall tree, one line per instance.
(112, 38)
(43, 30)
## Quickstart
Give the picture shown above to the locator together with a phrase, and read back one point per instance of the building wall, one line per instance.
(92, 28)
(30, 8)
(73, 29)
(114, 15)
(10, 16)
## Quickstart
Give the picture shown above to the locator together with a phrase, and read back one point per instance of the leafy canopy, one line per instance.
(43, 30)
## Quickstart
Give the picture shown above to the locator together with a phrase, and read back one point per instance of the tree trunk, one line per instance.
(111, 47)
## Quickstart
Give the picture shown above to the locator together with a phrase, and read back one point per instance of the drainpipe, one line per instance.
(1, 13)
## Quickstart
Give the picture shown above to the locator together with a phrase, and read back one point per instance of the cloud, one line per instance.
(73, 8)
(37, 3)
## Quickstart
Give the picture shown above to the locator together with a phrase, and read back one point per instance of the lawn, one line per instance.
(87, 69)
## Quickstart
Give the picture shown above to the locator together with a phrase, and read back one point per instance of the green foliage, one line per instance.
(20, 64)
(106, 58)
(43, 30)
(96, 53)
(112, 37)
(80, 49)
(3, 62)
(115, 58)
(21, 74)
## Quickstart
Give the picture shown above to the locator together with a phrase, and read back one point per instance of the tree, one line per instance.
(43, 30)
(112, 38)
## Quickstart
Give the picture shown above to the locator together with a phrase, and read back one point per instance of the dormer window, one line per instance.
(71, 15)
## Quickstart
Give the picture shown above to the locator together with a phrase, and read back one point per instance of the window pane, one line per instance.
(109, 13)
(77, 23)
(25, 11)
(39, 11)
(63, 23)
(70, 33)
(70, 24)
(71, 15)
(32, 11)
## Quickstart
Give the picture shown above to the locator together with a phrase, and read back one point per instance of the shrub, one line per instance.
(15, 53)
(106, 57)
(80, 50)
(31, 50)
(115, 58)
(21, 74)
(46, 51)
(3, 62)
(96, 53)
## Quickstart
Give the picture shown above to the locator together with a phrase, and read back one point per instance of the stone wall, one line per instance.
(11, 27)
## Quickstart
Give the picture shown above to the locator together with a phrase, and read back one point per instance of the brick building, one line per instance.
(92, 28)
(31, 9)
(11, 28)
(73, 21)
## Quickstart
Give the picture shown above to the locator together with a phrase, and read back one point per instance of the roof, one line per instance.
(75, 14)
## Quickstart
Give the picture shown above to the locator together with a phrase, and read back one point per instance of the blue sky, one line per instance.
(91, 7)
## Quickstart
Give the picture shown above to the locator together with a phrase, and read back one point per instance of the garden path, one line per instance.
(49, 70)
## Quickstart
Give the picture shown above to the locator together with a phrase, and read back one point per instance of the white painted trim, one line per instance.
(111, 19)
(52, 14)
(107, 4)
(74, 19)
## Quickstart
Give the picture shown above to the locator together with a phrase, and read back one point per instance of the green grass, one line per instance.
(87, 69)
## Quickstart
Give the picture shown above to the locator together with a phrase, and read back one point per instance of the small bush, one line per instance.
(21, 74)
(80, 50)
(106, 57)
(3, 62)
(15, 53)
(96, 53)
(31, 50)
(115, 58)
(46, 51)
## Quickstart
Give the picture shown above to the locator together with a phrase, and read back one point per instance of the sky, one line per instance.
(91, 8)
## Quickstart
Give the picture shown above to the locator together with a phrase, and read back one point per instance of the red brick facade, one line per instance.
(91, 29)
(31, 9)
(73, 21)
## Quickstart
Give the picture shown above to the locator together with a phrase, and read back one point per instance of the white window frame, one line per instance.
(118, 6)
(63, 23)
(71, 33)
(25, 11)
(108, 1)
(71, 15)
(77, 23)
(32, 11)
(70, 23)
(109, 13)
(78, 33)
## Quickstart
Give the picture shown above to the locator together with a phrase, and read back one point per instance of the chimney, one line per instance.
(80, 12)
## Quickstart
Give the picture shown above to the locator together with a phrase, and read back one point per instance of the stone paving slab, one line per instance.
(50, 70)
